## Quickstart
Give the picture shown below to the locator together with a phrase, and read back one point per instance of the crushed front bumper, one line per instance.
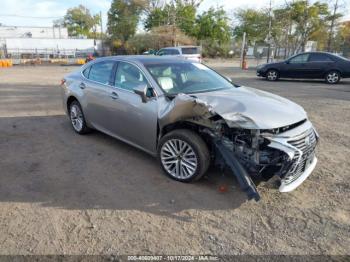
(287, 186)
(300, 145)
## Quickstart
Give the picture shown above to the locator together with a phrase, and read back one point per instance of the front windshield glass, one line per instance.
(175, 78)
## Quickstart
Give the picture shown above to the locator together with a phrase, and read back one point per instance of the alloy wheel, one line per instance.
(77, 118)
(179, 159)
(272, 75)
(332, 77)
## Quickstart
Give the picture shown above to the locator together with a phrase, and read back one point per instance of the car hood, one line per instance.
(250, 108)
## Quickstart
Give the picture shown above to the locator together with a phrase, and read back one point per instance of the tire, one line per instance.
(183, 155)
(272, 75)
(332, 77)
(77, 118)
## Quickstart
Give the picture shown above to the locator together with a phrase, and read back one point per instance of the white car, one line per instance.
(192, 53)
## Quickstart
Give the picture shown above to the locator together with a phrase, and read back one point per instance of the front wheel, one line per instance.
(332, 77)
(183, 155)
(272, 75)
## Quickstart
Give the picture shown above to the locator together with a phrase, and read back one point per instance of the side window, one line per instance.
(161, 52)
(129, 77)
(101, 72)
(86, 72)
(299, 59)
(175, 52)
(320, 58)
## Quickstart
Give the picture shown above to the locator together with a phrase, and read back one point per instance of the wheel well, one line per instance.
(273, 69)
(190, 126)
(69, 101)
(335, 70)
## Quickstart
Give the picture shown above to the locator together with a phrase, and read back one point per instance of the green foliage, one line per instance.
(157, 38)
(254, 22)
(123, 17)
(213, 24)
(79, 21)
(292, 25)
(179, 12)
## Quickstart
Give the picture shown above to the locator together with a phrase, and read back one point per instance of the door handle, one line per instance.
(114, 95)
(82, 85)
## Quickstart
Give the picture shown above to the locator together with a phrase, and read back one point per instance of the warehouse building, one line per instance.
(18, 42)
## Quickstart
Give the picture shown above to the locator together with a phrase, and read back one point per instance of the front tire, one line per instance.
(332, 77)
(272, 75)
(77, 118)
(183, 155)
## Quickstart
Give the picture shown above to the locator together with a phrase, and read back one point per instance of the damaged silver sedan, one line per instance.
(190, 117)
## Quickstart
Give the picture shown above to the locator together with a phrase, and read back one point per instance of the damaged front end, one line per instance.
(287, 152)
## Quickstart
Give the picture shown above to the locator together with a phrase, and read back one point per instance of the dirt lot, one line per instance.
(61, 193)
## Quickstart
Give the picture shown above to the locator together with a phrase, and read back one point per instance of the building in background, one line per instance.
(21, 42)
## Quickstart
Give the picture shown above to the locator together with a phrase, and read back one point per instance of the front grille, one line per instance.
(306, 144)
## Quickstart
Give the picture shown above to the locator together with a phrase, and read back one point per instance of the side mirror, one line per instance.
(141, 90)
(287, 62)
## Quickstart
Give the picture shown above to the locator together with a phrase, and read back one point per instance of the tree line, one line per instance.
(178, 22)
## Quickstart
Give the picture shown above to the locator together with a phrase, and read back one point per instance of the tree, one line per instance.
(307, 19)
(333, 18)
(177, 13)
(213, 24)
(123, 18)
(79, 21)
(253, 22)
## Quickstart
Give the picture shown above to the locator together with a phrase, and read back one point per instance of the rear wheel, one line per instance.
(183, 155)
(332, 77)
(77, 118)
(272, 75)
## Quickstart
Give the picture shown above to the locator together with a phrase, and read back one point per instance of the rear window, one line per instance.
(320, 58)
(190, 50)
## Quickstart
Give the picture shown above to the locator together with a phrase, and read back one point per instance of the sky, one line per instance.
(50, 10)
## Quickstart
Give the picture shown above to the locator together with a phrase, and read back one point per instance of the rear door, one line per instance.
(319, 64)
(96, 88)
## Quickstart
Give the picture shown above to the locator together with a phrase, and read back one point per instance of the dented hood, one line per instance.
(252, 109)
(240, 107)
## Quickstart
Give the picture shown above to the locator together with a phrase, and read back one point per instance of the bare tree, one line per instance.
(334, 17)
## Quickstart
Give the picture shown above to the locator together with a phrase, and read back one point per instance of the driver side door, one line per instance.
(129, 118)
(296, 67)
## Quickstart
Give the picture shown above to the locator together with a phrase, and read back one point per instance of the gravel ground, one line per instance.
(61, 193)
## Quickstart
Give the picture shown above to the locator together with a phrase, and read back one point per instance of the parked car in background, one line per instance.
(312, 65)
(192, 53)
(189, 116)
(150, 52)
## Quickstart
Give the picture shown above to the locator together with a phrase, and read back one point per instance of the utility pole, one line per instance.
(101, 36)
(269, 33)
(242, 50)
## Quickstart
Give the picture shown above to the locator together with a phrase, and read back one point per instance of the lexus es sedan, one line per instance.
(312, 65)
(191, 117)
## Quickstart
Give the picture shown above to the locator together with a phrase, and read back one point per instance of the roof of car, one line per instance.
(146, 59)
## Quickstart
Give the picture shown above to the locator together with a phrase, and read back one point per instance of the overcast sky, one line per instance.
(57, 8)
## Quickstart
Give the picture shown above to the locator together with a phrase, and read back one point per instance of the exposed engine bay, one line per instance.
(286, 152)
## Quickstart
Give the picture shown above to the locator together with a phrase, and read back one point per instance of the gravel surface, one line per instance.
(61, 193)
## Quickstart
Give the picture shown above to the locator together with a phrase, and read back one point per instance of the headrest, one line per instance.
(166, 83)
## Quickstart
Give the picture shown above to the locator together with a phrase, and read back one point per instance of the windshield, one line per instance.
(175, 78)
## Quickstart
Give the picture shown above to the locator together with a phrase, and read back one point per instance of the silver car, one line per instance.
(189, 116)
(191, 53)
